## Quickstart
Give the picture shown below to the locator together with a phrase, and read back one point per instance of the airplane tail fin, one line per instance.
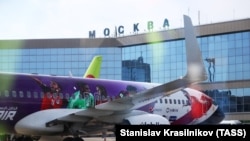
(93, 70)
(196, 71)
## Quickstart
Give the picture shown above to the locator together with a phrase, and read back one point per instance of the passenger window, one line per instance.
(174, 101)
(179, 101)
(55, 95)
(81, 97)
(160, 100)
(170, 101)
(28, 94)
(35, 95)
(183, 101)
(61, 95)
(13, 93)
(67, 96)
(48, 95)
(6, 93)
(41, 95)
(109, 98)
(113, 98)
(166, 101)
(21, 94)
(73, 96)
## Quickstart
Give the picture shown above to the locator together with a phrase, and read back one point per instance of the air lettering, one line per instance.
(7, 115)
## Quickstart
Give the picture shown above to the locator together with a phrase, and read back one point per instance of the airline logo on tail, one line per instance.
(93, 70)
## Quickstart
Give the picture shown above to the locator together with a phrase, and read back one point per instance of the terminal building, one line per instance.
(151, 57)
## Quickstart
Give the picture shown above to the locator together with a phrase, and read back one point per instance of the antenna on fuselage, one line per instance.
(70, 74)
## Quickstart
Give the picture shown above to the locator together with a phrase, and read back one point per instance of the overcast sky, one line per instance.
(32, 19)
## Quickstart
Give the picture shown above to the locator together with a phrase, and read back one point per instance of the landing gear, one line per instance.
(73, 139)
(22, 138)
(13, 137)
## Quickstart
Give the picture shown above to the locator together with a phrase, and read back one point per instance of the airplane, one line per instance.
(33, 106)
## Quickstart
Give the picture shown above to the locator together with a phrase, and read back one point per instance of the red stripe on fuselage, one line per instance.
(199, 107)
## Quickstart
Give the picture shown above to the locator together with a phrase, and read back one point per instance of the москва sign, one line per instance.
(120, 29)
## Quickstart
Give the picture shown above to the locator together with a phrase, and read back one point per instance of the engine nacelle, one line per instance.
(146, 119)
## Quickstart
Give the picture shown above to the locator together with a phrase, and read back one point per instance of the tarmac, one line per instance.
(56, 138)
(100, 139)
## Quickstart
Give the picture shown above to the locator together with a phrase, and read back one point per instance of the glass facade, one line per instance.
(61, 61)
(231, 54)
(136, 70)
(163, 62)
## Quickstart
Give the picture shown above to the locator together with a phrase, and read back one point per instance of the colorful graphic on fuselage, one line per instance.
(187, 106)
(82, 98)
(101, 95)
(199, 104)
(31, 93)
(58, 92)
(51, 97)
(69, 92)
(82, 95)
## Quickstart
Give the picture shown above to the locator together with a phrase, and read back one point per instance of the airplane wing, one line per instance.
(52, 121)
(145, 97)
(77, 116)
(234, 84)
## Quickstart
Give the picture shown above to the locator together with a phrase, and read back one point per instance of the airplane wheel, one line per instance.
(28, 139)
(78, 139)
(24, 139)
(68, 139)
(73, 139)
